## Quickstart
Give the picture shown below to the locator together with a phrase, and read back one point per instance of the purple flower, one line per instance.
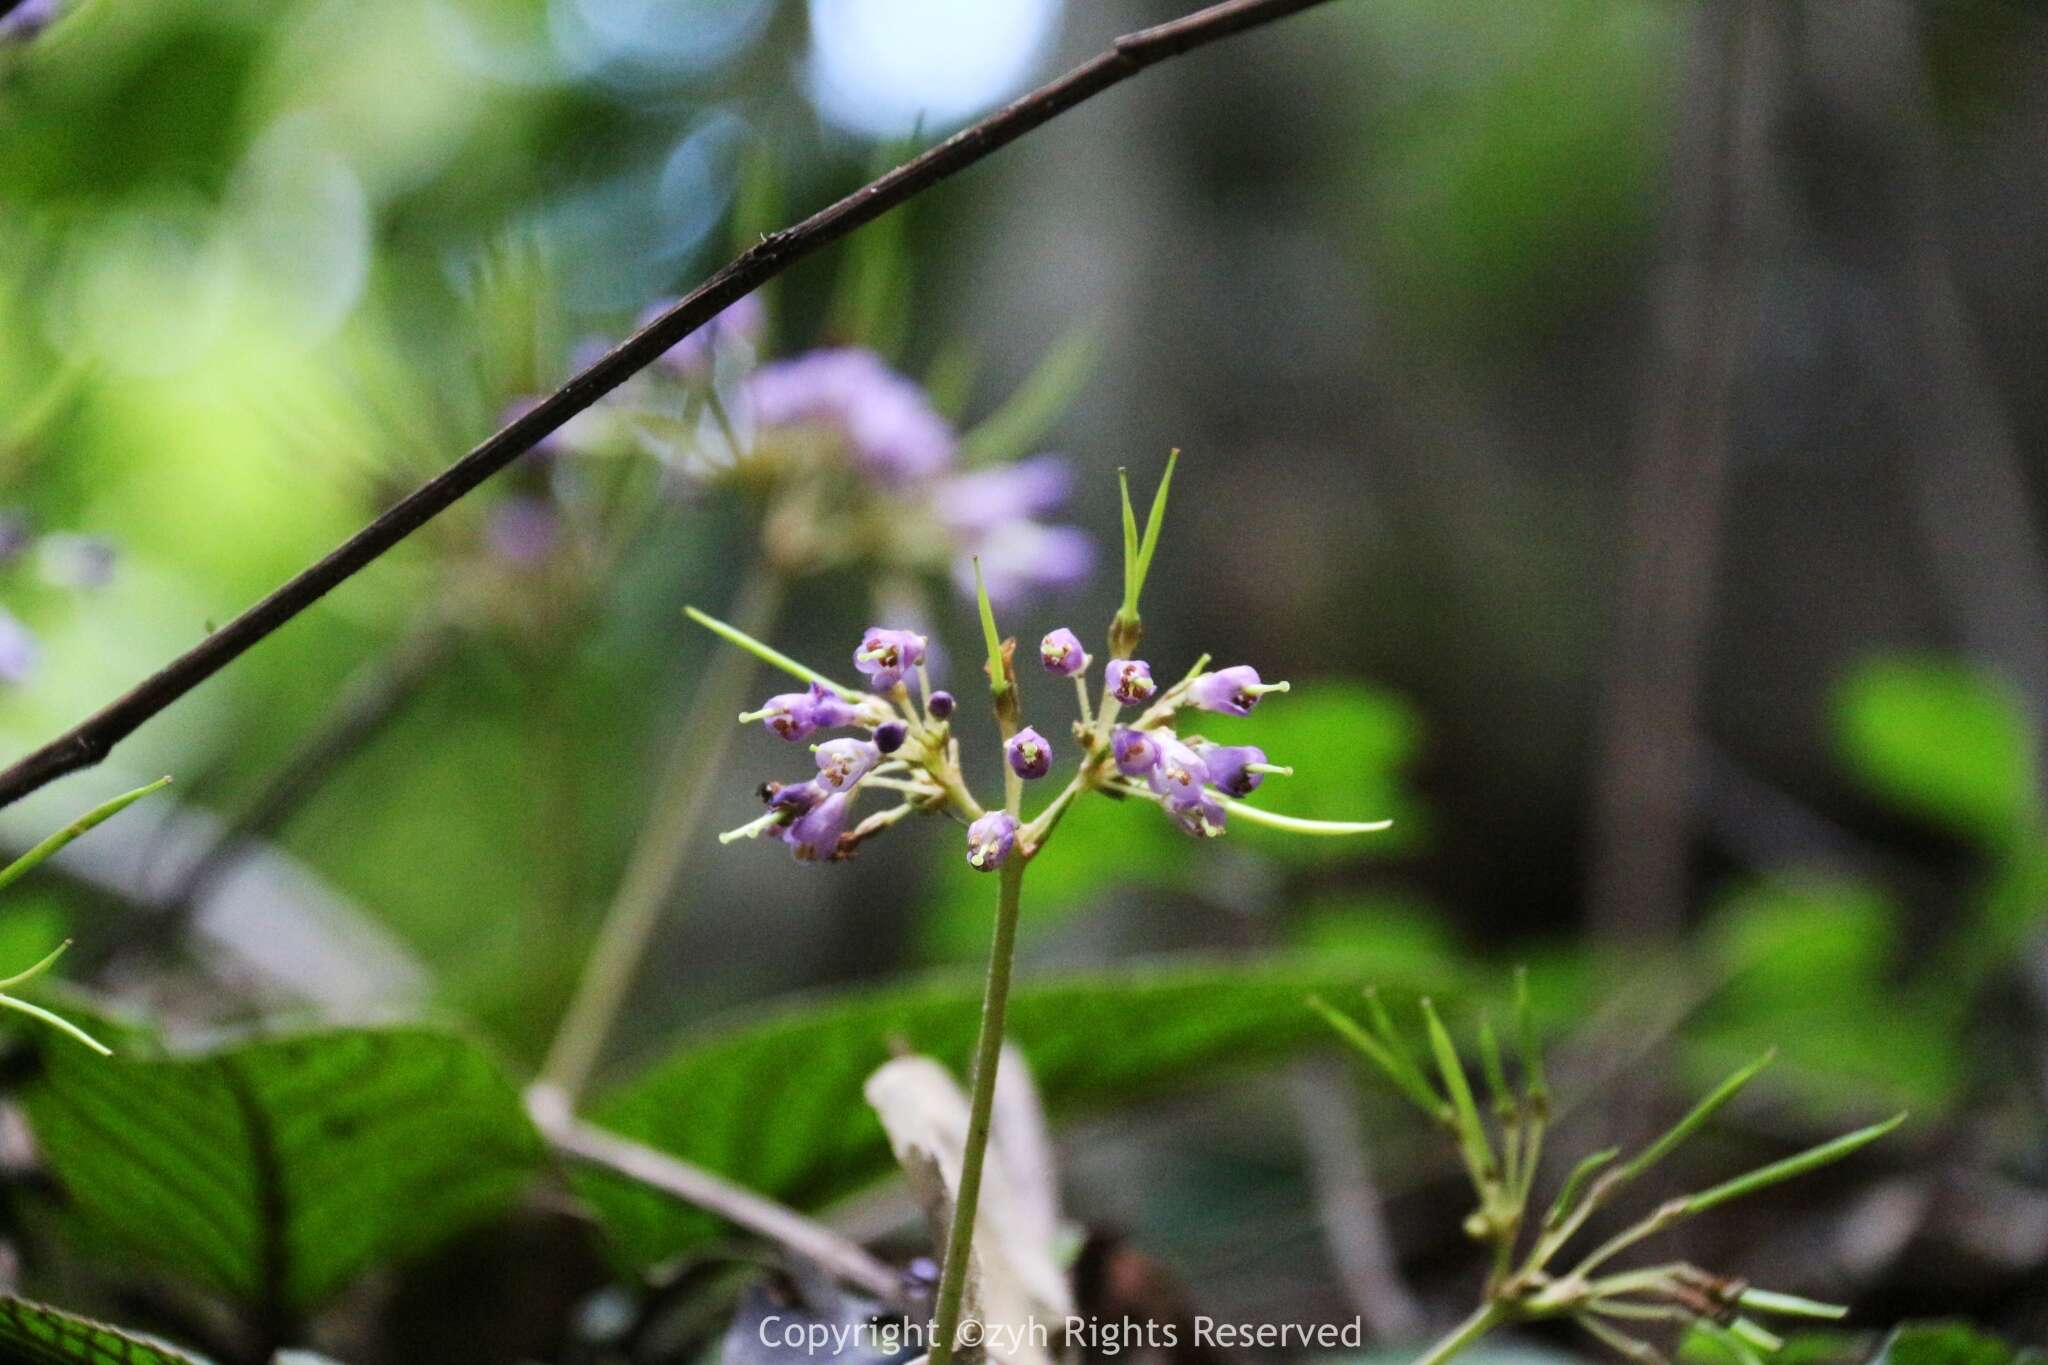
(27, 19)
(1029, 755)
(1202, 817)
(74, 561)
(1020, 559)
(844, 762)
(795, 797)
(795, 715)
(976, 503)
(890, 735)
(941, 705)
(814, 835)
(1061, 653)
(1181, 773)
(1233, 691)
(884, 655)
(1136, 752)
(1130, 680)
(522, 530)
(741, 322)
(990, 840)
(1235, 768)
(890, 427)
(18, 650)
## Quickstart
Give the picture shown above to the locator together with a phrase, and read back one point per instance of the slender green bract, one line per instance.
(98, 815)
(767, 654)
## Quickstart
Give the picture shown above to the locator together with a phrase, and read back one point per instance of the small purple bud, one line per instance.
(990, 840)
(890, 734)
(1136, 752)
(844, 762)
(941, 705)
(829, 710)
(885, 654)
(1029, 755)
(1202, 817)
(1061, 653)
(18, 650)
(795, 797)
(1130, 681)
(1232, 691)
(792, 715)
(813, 837)
(1181, 773)
(1231, 767)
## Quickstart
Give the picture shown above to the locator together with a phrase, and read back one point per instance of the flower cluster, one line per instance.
(792, 429)
(910, 751)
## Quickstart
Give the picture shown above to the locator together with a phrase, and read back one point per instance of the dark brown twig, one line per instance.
(90, 741)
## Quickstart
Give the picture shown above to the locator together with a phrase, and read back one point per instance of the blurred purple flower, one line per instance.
(523, 530)
(1202, 817)
(27, 19)
(977, 502)
(890, 427)
(1180, 774)
(741, 322)
(18, 650)
(70, 560)
(844, 762)
(1129, 680)
(1020, 559)
(1136, 752)
(15, 535)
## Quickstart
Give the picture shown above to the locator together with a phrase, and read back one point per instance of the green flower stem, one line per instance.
(62, 1025)
(988, 1051)
(668, 837)
(1483, 1320)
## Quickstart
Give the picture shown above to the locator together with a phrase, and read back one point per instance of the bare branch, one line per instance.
(91, 741)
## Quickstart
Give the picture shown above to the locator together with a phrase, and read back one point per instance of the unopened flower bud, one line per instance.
(941, 705)
(990, 840)
(1061, 653)
(1130, 681)
(890, 734)
(1029, 754)
(1232, 691)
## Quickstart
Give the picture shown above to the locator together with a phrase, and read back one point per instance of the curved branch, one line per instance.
(91, 741)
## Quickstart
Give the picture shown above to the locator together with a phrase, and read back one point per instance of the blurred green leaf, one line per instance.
(776, 1103)
(1349, 746)
(36, 1334)
(1821, 1346)
(1940, 740)
(1013, 429)
(276, 1170)
(1810, 967)
(1950, 1343)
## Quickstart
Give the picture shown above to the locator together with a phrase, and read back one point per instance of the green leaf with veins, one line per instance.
(775, 1103)
(275, 1170)
(36, 1334)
